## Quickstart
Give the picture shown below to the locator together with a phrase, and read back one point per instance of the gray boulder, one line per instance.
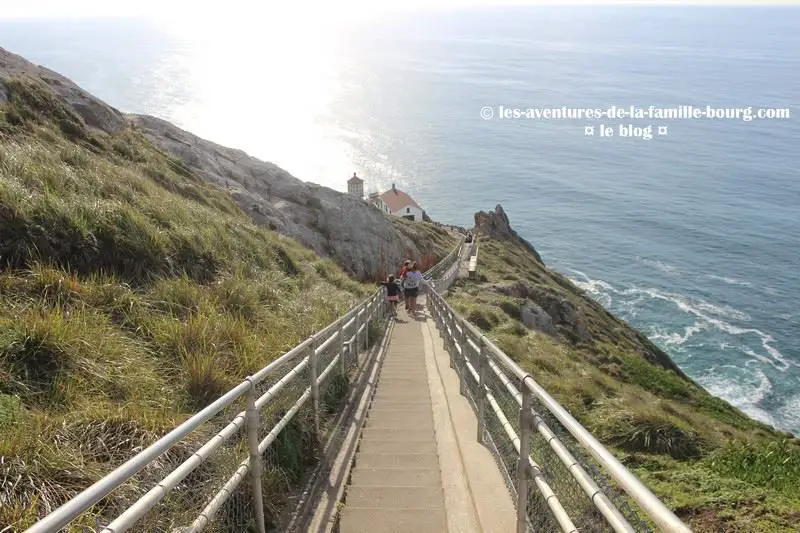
(550, 304)
(534, 317)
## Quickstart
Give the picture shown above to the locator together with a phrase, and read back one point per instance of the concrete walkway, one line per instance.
(419, 467)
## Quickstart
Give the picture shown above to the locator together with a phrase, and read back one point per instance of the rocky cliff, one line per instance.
(550, 303)
(495, 224)
(719, 469)
(360, 238)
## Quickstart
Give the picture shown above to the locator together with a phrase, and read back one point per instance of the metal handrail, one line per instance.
(462, 337)
(360, 315)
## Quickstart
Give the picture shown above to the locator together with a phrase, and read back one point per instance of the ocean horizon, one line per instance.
(691, 235)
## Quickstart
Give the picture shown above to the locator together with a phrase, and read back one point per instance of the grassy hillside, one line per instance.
(721, 470)
(131, 294)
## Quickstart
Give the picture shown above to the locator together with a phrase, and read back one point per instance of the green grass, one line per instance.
(715, 466)
(131, 295)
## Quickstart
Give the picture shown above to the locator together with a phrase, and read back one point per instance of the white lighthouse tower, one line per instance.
(355, 186)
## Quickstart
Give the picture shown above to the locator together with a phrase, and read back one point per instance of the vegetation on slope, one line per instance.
(719, 469)
(435, 242)
(131, 294)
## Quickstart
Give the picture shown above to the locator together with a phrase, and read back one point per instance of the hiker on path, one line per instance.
(392, 294)
(413, 279)
(401, 276)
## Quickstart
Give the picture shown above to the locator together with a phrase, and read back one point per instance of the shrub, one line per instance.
(652, 433)
(485, 317)
(774, 465)
(55, 360)
(10, 409)
(654, 378)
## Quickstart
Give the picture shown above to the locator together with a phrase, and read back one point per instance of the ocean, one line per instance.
(691, 233)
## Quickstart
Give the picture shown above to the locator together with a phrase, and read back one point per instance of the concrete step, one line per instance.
(390, 409)
(408, 347)
(404, 371)
(413, 435)
(411, 391)
(392, 497)
(401, 423)
(404, 379)
(402, 395)
(365, 520)
(395, 375)
(396, 446)
(420, 416)
(399, 407)
(398, 460)
(418, 403)
(409, 477)
(404, 358)
(395, 384)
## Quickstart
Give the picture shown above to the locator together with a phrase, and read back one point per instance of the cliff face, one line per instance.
(548, 302)
(361, 239)
(495, 224)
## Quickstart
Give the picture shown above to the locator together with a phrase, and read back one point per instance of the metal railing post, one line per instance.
(523, 466)
(314, 371)
(480, 398)
(342, 354)
(464, 345)
(450, 336)
(358, 327)
(367, 315)
(252, 421)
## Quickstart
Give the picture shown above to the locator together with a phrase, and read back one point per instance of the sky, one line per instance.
(210, 10)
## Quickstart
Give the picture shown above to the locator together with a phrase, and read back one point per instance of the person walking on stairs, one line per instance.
(411, 284)
(401, 277)
(392, 294)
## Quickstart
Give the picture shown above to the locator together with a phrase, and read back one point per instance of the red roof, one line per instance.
(397, 200)
(355, 179)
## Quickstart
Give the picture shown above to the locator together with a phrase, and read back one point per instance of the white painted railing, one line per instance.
(535, 439)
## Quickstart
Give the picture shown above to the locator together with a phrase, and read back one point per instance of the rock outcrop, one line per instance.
(495, 224)
(548, 311)
(534, 317)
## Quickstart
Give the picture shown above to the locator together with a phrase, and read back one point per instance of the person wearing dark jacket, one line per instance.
(392, 293)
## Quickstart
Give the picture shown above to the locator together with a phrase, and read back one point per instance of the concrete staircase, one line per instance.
(396, 484)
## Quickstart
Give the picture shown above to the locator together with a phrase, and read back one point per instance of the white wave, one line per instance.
(709, 316)
(590, 284)
(674, 338)
(598, 289)
(742, 388)
(729, 280)
(776, 358)
(722, 310)
(789, 414)
(660, 265)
